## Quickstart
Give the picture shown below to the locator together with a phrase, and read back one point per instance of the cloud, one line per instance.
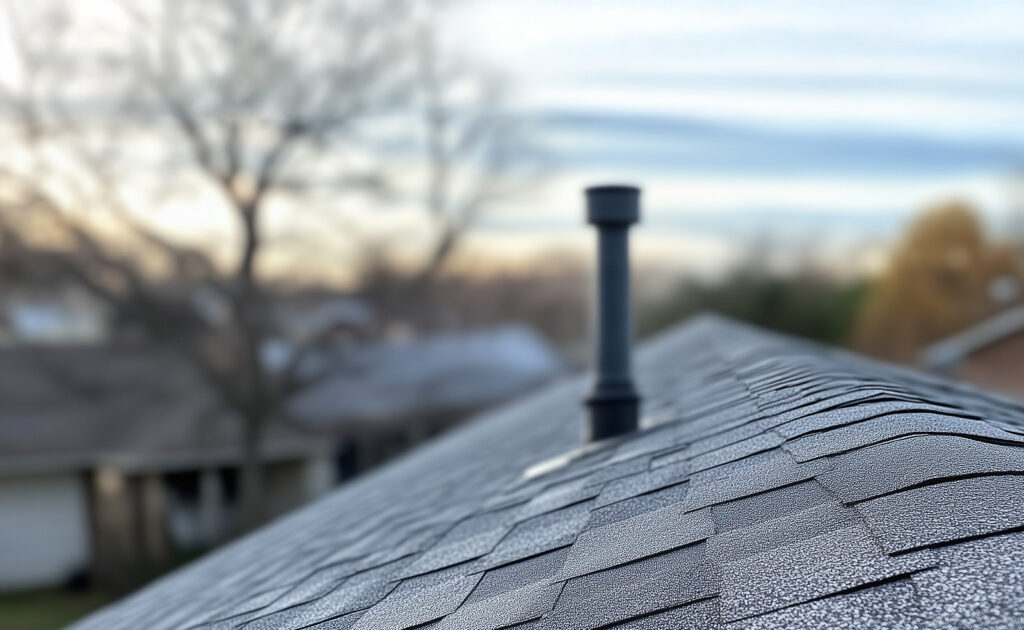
(661, 143)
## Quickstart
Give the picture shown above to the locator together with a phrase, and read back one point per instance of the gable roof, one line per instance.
(68, 407)
(947, 352)
(449, 373)
(777, 485)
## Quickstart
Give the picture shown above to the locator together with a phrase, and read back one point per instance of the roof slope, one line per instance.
(780, 485)
(64, 407)
(449, 373)
(951, 350)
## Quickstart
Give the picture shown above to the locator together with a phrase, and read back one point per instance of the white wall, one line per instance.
(44, 530)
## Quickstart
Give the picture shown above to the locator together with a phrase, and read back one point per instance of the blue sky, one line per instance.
(828, 121)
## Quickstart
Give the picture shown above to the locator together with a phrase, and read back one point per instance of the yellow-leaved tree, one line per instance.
(938, 281)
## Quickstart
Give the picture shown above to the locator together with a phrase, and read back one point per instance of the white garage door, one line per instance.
(44, 534)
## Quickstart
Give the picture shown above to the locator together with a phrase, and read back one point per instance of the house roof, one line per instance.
(448, 373)
(67, 407)
(777, 484)
(951, 350)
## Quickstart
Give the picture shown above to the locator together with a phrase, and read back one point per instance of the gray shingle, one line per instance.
(978, 584)
(540, 533)
(877, 470)
(630, 539)
(885, 606)
(469, 539)
(756, 474)
(699, 615)
(419, 600)
(736, 544)
(622, 593)
(737, 450)
(861, 434)
(640, 504)
(519, 574)
(505, 609)
(947, 511)
(769, 505)
(806, 570)
(649, 481)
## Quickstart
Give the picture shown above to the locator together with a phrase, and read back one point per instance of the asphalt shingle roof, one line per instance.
(77, 406)
(777, 484)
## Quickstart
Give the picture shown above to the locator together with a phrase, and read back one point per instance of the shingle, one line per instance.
(863, 411)
(622, 593)
(977, 584)
(519, 574)
(317, 585)
(558, 496)
(861, 434)
(877, 470)
(539, 534)
(504, 609)
(885, 606)
(946, 511)
(352, 595)
(737, 450)
(809, 569)
(769, 505)
(469, 539)
(344, 622)
(618, 469)
(420, 600)
(820, 412)
(645, 535)
(699, 615)
(770, 534)
(250, 604)
(758, 473)
(633, 485)
(640, 504)
(653, 440)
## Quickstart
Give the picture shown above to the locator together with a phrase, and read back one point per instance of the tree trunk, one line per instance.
(251, 486)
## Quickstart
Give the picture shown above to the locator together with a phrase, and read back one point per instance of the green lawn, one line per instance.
(46, 610)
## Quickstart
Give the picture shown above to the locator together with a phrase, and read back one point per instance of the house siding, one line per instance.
(44, 530)
(999, 367)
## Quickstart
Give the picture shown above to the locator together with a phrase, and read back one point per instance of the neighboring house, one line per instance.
(111, 456)
(441, 376)
(329, 317)
(380, 398)
(989, 354)
(773, 484)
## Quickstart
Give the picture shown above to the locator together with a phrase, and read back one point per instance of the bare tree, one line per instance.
(235, 107)
(472, 155)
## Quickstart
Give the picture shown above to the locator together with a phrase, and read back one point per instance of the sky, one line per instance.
(828, 124)
(822, 127)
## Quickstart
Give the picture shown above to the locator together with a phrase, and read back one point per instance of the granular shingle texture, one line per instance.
(775, 484)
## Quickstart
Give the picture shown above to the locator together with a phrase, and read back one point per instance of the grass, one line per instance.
(47, 609)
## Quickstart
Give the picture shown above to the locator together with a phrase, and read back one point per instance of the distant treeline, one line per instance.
(806, 304)
(943, 275)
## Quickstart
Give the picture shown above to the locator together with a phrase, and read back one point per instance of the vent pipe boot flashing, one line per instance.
(613, 403)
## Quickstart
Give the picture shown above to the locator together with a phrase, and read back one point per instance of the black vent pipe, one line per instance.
(614, 402)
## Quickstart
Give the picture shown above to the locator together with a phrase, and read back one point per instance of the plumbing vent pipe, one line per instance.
(613, 403)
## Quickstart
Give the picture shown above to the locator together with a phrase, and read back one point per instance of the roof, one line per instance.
(777, 485)
(67, 407)
(951, 350)
(449, 373)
